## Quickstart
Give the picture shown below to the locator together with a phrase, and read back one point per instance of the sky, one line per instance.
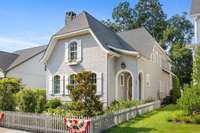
(29, 23)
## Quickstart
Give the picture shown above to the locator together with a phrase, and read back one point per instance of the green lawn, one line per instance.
(155, 122)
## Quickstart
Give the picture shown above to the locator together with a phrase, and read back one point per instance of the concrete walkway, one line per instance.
(6, 130)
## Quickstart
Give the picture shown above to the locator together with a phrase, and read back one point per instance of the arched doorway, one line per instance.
(124, 85)
(140, 80)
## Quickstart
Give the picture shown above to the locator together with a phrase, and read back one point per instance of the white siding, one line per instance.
(31, 72)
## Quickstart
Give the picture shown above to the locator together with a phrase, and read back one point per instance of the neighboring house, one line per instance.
(195, 13)
(126, 65)
(24, 64)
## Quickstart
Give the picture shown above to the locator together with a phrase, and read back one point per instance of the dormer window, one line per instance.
(73, 52)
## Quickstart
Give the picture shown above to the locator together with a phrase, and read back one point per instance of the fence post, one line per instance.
(92, 130)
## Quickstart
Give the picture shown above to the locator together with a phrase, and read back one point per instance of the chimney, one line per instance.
(69, 16)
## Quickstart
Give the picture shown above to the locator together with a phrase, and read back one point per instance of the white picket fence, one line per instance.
(39, 123)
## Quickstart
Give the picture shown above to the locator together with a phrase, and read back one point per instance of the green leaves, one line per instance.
(8, 88)
(84, 96)
(190, 100)
(31, 100)
(196, 66)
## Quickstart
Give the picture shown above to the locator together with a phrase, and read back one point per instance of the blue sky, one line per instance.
(28, 23)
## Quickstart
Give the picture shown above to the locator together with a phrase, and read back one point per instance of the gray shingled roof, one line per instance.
(6, 59)
(134, 40)
(140, 39)
(26, 54)
(195, 7)
(104, 34)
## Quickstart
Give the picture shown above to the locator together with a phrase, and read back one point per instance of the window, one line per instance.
(56, 84)
(72, 81)
(122, 80)
(73, 51)
(94, 79)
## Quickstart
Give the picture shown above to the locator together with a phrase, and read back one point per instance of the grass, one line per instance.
(155, 122)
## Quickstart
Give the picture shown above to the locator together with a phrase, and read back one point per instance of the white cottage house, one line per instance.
(126, 65)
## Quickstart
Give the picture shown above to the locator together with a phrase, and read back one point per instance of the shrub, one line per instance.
(121, 104)
(84, 93)
(8, 88)
(31, 100)
(41, 100)
(27, 100)
(54, 103)
(176, 90)
(190, 100)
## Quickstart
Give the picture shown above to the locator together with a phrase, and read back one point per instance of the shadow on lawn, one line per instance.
(130, 130)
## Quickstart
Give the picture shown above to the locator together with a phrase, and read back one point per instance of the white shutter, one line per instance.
(99, 83)
(79, 51)
(66, 84)
(61, 84)
(50, 86)
(66, 52)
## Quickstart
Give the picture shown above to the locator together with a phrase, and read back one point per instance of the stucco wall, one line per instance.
(94, 59)
(160, 81)
(114, 67)
(31, 72)
(1, 74)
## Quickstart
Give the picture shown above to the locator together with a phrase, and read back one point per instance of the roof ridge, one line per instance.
(8, 52)
(28, 48)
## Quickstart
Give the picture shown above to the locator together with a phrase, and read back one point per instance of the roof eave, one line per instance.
(127, 52)
(55, 38)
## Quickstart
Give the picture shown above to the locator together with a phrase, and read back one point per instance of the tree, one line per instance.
(112, 25)
(83, 94)
(151, 16)
(8, 88)
(124, 16)
(196, 66)
(181, 63)
(146, 13)
(179, 30)
(176, 90)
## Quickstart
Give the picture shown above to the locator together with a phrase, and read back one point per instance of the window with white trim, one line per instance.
(56, 84)
(73, 51)
(72, 80)
(94, 79)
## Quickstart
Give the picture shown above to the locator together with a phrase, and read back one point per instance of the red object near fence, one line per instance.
(1, 116)
(77, 125)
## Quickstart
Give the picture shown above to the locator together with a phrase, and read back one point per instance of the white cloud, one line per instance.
(13, 44)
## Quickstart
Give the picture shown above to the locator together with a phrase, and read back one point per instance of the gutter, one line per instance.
(133, 53)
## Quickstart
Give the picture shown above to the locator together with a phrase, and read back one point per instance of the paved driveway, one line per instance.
(5, 130)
